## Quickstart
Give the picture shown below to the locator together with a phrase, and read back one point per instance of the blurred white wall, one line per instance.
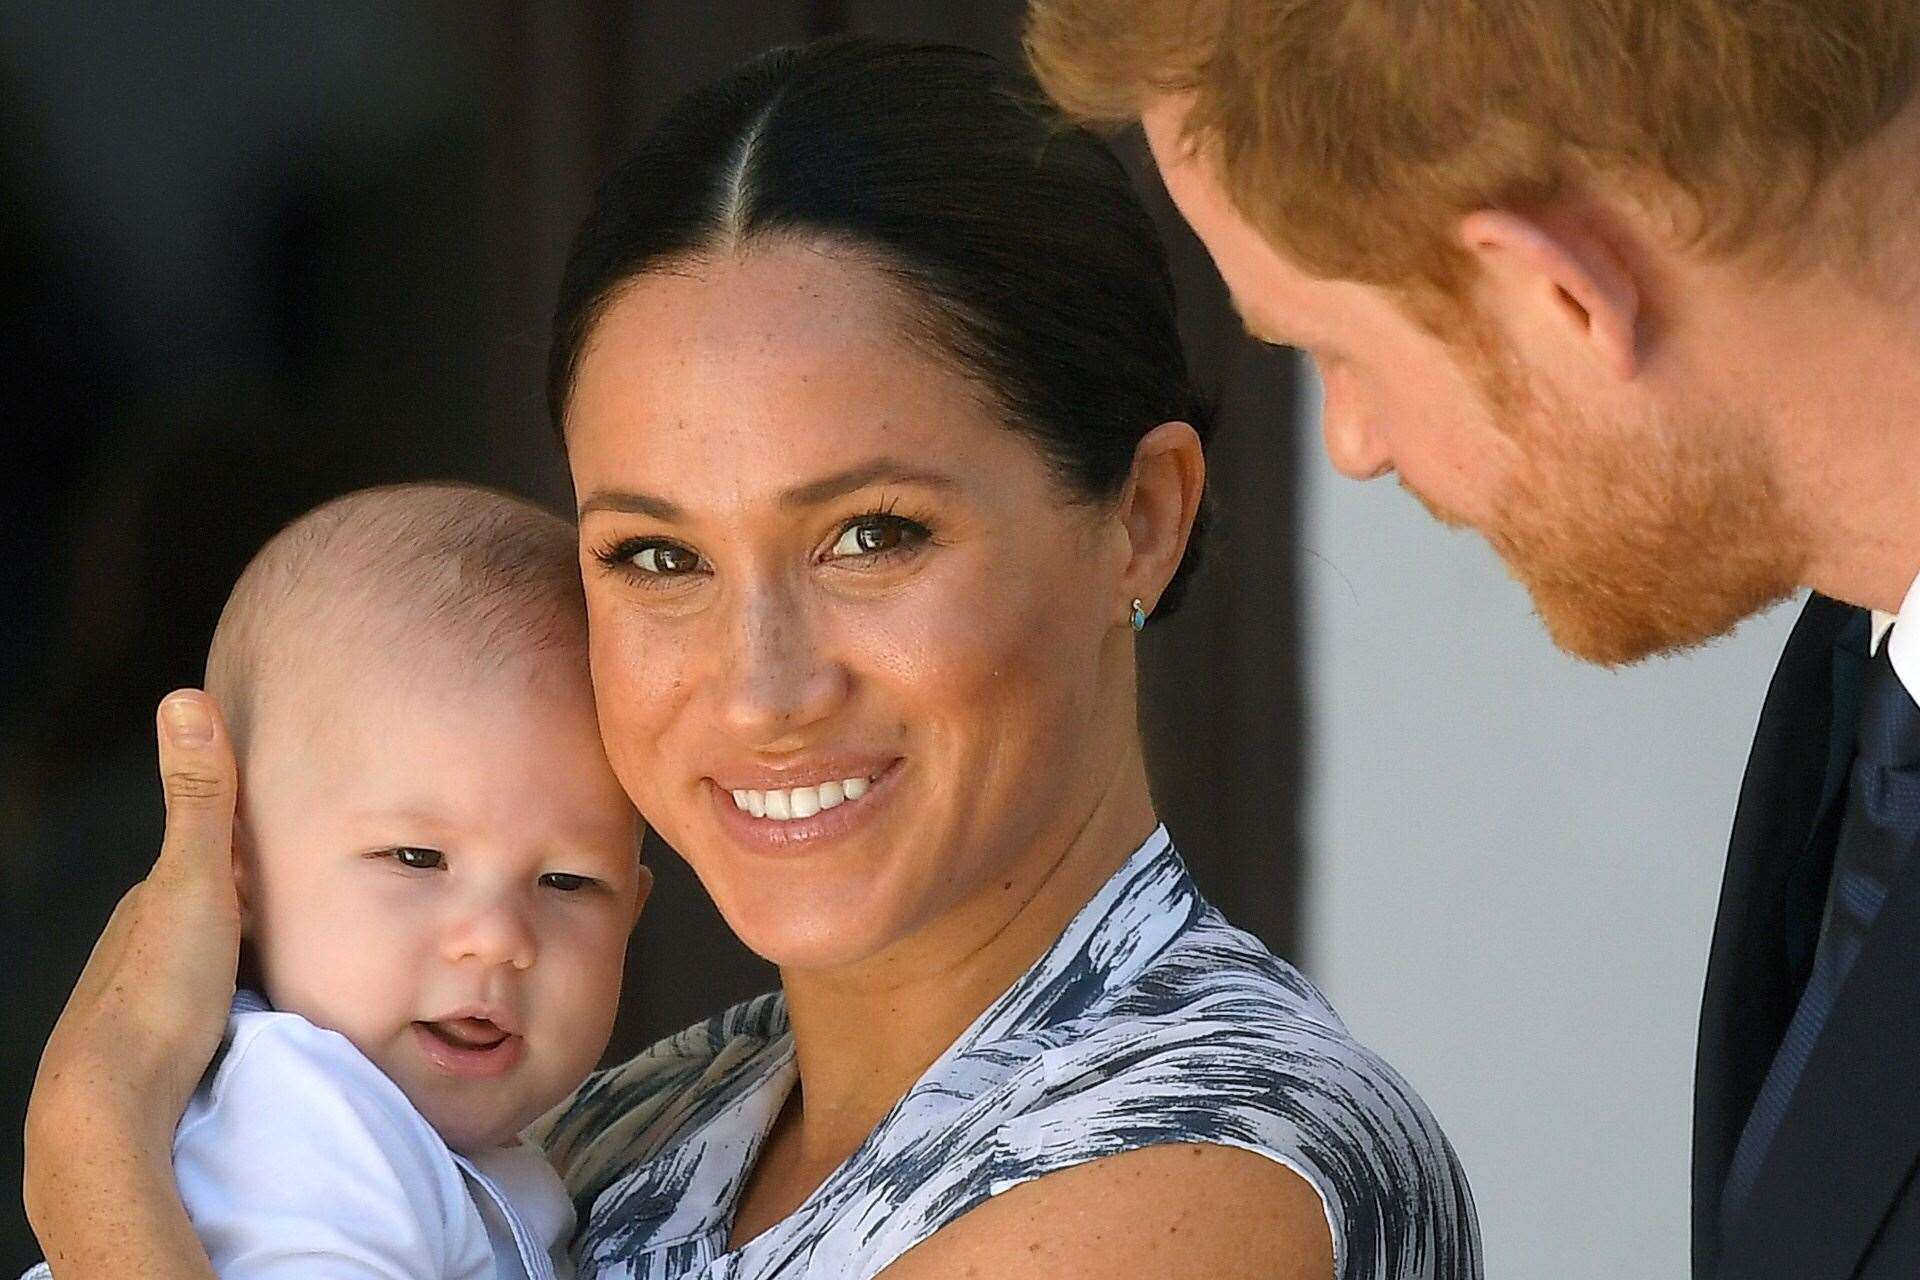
(1513, 863)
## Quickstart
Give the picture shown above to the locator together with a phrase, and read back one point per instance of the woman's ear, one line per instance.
(1562, 270)
(1158, 508)
(643, 889)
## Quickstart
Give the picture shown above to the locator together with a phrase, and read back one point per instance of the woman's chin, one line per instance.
(798, 937)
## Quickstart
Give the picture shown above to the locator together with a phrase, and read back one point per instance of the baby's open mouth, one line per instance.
(467, 1033)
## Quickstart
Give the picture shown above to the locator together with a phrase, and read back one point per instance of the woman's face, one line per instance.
(858, 655)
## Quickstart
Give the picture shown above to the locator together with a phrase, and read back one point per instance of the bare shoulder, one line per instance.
(1172, 1211)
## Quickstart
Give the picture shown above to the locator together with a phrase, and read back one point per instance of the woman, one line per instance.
(884, 447)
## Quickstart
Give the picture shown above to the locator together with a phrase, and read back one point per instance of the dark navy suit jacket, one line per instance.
(1837, 1197)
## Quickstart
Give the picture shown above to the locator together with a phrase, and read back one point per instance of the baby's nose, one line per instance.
(493, 934)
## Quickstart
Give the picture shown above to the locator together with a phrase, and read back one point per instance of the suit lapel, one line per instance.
(1851, 1135)
(1778, 861)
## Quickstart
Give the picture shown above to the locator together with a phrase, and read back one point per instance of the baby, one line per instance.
(438, 874)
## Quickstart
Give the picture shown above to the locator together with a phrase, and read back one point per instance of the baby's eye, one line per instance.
(877, 535)
(566, 881)
(418, 859)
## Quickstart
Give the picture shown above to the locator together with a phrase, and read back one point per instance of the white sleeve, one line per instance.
(303, 1161)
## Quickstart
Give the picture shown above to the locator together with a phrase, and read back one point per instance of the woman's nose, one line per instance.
(492, 933)
(780, 678)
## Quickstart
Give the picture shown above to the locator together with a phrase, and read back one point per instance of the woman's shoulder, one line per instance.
(1218, 1042)
(620, 1114)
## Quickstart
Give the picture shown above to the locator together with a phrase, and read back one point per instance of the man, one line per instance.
(1632, 287)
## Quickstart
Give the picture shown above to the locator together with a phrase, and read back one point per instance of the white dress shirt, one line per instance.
(1905, 651)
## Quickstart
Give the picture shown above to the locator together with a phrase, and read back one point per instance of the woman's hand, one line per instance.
(139, 1030)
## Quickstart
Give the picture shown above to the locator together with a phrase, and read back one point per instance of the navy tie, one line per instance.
(1877, 833)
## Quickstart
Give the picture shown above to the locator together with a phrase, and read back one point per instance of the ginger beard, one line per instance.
(1633, 539)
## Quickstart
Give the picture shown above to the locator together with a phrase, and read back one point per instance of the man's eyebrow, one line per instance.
(810, 494)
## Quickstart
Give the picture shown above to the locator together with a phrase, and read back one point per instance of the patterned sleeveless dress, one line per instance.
(1150, 1020)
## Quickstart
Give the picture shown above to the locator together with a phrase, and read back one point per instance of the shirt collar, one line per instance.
(1903, 648)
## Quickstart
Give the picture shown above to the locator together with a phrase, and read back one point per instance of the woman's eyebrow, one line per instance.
(879, 471)
(810, 494)
(639, 504)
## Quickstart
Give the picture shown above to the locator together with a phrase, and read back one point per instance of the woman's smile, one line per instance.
(800, 818)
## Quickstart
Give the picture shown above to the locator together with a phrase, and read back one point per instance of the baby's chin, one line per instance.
(471, 1130)
(473, 1116)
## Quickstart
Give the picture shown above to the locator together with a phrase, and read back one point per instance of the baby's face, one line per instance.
(444, 870)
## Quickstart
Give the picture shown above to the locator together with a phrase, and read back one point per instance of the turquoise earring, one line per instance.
(1138, 617)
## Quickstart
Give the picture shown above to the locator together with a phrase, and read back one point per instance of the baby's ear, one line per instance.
(242, 872)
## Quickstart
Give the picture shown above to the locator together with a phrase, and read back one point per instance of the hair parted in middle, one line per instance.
(1015, 241)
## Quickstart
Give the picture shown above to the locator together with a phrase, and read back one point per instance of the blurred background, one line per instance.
(255, 255)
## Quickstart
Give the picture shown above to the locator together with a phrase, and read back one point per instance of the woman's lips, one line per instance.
(773, 833)
(469, 1048)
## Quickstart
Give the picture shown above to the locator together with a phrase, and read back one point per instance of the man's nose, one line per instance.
(492, 932)
(1355, 445)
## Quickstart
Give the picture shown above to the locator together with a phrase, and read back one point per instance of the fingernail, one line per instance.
(188, 723)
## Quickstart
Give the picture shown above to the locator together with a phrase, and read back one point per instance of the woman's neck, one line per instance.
(864, 1035)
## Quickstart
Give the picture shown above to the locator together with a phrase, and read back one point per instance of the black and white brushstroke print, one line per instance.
(1150, 1021)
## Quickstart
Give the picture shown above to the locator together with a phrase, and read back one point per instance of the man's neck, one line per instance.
(1826, 364)
(1849, 426)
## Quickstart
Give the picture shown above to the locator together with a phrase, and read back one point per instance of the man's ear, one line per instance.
(1158, 508)
(1567, 271)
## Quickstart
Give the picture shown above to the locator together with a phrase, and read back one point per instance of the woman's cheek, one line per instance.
(634, 668)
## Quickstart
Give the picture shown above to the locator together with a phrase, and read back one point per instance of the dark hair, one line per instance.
(1017, 238)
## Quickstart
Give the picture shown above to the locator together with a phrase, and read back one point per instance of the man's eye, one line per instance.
(666, 559)
(418, 859)
(565, 881)
(877, 535)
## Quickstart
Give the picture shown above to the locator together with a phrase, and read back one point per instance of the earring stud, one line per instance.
(1138, 618)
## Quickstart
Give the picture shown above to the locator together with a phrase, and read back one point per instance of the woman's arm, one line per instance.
(138, 1031)
(1171, 1212)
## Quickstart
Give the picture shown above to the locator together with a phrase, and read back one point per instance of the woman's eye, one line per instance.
(664, 559)
(418, 859)
(565, 881)
(877, 535)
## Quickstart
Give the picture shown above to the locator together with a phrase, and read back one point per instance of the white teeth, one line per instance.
(799, 802)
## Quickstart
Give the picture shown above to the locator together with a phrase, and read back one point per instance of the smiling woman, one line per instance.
(880, 427)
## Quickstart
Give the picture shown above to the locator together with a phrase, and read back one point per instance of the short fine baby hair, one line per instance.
(435, 573)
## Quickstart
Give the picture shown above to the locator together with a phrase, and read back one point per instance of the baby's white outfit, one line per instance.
(298, 1159)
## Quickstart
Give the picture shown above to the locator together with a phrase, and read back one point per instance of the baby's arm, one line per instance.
(305, 1161)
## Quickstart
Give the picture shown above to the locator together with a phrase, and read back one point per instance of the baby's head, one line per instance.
(435, 859)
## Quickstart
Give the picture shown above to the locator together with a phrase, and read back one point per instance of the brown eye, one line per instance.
(877, 535)
(418, 859)
(565, 881)
(665, 559)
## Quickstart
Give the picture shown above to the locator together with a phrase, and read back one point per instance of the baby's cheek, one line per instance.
(585, 986)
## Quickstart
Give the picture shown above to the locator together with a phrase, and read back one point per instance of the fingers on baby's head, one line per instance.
(460, 577)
